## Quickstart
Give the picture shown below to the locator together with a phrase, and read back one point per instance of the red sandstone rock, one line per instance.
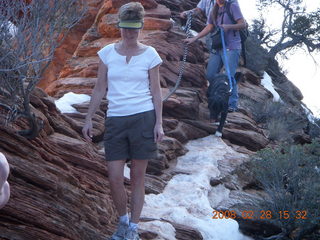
(54, 183)
(107, 26)
(256, 93)
(160, 12)
(90, 49)
(184, 104)
(76, 85)
(105, 9)
(151, 23)
(71, 42)
(250, 76)
(185, 132)
(252, 140)
(76, 67)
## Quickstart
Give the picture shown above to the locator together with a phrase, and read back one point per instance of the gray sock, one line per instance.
(133, 226)
(124, 219)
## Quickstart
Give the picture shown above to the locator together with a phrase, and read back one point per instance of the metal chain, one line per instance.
(185, 54)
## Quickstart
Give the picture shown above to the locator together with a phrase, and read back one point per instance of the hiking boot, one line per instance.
(120, 234)
(132, 234)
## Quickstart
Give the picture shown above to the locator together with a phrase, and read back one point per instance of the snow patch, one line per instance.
(126, 171)
(186, 198)
(218, 194)
(267, 83)
(165, 230)
(64, 104)
(310, 116)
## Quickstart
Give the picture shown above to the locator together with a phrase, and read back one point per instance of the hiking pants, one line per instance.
(215, 63)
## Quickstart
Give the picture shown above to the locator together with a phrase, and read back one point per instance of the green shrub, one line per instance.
(282, 121)
(290, 175)
(247, 102)
(315, 128)
(272, 116)
(278, 129)
(269, 110)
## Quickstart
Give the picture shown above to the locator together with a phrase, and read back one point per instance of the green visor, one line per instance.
(130, 24)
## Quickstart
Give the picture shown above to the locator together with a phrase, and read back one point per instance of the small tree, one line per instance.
(299, 28)
(30, 31)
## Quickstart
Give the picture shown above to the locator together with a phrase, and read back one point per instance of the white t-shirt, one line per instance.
(128, 83)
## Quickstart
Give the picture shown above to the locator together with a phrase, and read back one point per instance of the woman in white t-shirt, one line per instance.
(130, 72)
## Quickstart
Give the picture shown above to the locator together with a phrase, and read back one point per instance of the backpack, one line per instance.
(244, 33)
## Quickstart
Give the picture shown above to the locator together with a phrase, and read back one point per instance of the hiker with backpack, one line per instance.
(225, 15)
(205, 7)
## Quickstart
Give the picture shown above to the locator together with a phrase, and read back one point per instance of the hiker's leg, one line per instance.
(116, 178)
(137, 176)
(214, 65)
(119, 197)
(233, 60)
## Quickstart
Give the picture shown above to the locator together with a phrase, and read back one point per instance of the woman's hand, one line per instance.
(87, 130)
(203, 33)
(196, 10)
(183, 14)
(158, 133)
(189, 40)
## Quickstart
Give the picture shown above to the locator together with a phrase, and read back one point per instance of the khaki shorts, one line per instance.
(130, 137)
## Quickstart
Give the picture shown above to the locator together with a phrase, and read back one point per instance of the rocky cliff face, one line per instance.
(59, 182)
(66, 50)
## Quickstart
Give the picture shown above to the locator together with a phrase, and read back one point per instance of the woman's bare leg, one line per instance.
(116, 180)
(137, 176)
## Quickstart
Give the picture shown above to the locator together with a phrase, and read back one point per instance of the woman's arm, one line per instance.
(195, 10)
(99, 91)
(241, 24)
(157, 101)
(203, 33)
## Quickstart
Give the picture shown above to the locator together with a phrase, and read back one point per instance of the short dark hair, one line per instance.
(131, 11)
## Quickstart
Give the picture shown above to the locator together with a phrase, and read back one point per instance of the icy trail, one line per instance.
(185, 200)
